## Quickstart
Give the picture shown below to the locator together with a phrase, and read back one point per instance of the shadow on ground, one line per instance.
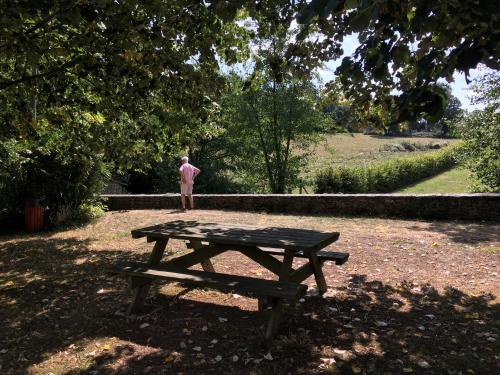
(463, 232)
(62, 314)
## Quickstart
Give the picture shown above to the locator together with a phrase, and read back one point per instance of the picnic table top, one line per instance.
(240, 235)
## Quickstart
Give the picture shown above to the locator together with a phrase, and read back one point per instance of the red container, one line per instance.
(33, 218)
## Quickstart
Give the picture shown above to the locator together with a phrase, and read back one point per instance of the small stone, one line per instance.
(380, 323)
(214, 341)
(421, 328)
(333, 309)
(423, 364)
(235, 358)
(218, 358)
(491, 339)
(204, 328)
(144, 325)
(302, 300)
(269, 357)
(222, 320)
(197, 348)
(3, 351)
(430, 316)
(183, 345)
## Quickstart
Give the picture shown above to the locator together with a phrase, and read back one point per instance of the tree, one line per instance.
(406, 46)
(451, 114)
(88, 87)
(480, 131)
(270, 126)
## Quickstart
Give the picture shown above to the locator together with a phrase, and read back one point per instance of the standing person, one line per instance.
(187, 173)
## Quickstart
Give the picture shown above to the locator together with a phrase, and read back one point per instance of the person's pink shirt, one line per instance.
(187, 170)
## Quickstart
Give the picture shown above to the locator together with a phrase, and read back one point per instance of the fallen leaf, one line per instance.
(356, 369)
(423, 364)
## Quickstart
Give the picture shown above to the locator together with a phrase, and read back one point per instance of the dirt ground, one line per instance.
(415, 297)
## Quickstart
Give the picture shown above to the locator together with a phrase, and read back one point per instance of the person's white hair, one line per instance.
(185, 158)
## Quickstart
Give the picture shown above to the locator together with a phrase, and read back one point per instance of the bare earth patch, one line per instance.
(415, 297)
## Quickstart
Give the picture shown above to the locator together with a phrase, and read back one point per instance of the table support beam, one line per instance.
(206, 263)
(141, 291)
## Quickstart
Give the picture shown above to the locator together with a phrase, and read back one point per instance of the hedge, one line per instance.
(386, 176)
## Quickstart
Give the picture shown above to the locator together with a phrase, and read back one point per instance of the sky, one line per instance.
(459, 88)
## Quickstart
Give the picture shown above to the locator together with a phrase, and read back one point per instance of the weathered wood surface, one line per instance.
(323, 256)
(242, 284)
(227, 234)
(140, 289)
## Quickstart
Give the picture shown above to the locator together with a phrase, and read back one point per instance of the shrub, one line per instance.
(411, 146)
(481, 152)
(386, 176)
(65, 180)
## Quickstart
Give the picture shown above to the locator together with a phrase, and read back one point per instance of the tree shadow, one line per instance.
(463, 231)
(58, 305)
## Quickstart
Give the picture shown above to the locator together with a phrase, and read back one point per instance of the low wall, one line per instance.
(426, 206)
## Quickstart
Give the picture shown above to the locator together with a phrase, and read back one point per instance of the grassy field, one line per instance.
(456, 180)
(358, 149)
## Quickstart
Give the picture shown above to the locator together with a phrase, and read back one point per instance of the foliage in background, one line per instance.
(266, 128)
(62, 171)
(386, 176)
(480, 131)
(406, 46)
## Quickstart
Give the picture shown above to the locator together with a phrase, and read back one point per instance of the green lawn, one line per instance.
(357, 150)
(456, 180)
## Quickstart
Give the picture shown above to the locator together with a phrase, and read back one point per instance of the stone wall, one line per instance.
(426, 206)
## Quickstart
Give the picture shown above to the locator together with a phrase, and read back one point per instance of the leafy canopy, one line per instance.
(407, 45)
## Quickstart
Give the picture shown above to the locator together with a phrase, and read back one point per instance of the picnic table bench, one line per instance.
(262, 245)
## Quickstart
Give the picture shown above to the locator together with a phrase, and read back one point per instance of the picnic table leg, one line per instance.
(278, 303)
(141, 292)
(318, 273)
(205, 264)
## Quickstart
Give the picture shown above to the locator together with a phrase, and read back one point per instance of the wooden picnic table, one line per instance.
(274, 248)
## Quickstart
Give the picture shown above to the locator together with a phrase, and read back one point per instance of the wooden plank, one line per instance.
(262, 258)
(301, 273)
(275, 237)
(141, 291)
(323, 256)
(242, 284)
(318, 273)
(206, 264)
(195, 257)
